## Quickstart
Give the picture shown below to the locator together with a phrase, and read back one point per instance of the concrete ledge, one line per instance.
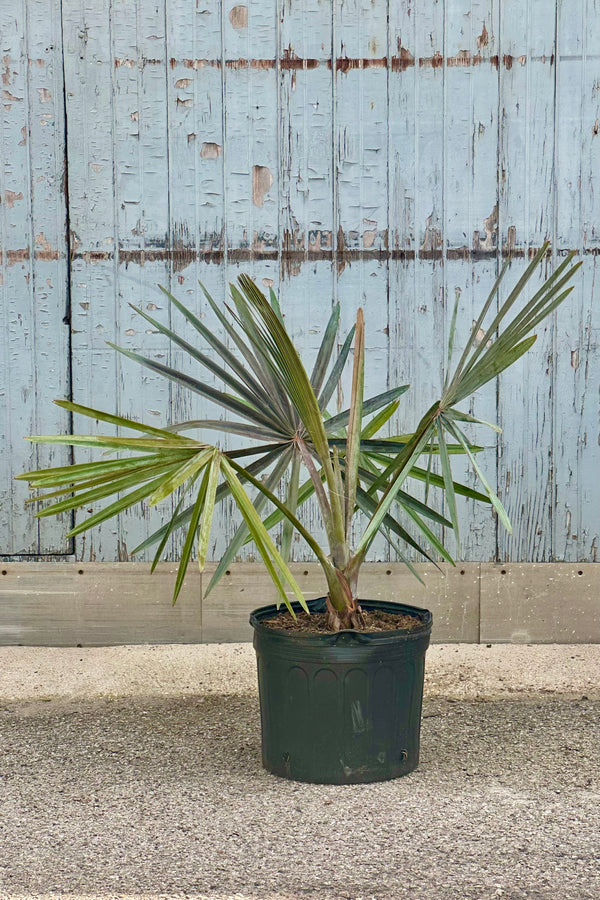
(101, 604)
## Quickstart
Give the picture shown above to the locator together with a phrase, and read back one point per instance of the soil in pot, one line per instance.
(316, 623)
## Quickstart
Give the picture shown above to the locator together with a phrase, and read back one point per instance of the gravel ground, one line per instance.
(114, 792)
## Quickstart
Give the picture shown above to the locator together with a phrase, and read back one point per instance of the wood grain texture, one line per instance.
(526, 217)
(34, 361)
(470, 221)
(59, 604)
(99, 604)
(381, 154)
(576, 526)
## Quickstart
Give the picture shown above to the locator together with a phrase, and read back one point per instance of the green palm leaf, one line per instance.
(271, 482)
(264, 544)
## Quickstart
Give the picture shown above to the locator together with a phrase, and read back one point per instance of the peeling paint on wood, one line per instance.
(34, 354)
(389, 155)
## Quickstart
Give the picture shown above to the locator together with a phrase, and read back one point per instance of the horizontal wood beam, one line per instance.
(99, 604)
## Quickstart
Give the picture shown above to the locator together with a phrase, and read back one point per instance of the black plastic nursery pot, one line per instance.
(345, 707)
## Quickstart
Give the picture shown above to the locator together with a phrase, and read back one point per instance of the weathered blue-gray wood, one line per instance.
(527, 210)
(577, 344)
(381, 154)
(34, 364)
(470, 205)
(417, 310)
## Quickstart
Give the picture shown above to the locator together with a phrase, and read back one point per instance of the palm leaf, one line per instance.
(292, 504)
(190, 537)
(223, 491)
(378, 421)
(172, 442)
(226, 400)
(336, 372)
(181, 474)
(118, 506)
(255, 398)
(106, 488)
(272, 482)
(325, 350)
(260, 486)
(209, 508)
(168, 531)
(368, 505)
(220, 348)
(264, 544)
(291, 372)
(353, 443)
(249, 431)
(83, 472)
(120, 421)
(369, 406)
(448, 483)
(494, 499)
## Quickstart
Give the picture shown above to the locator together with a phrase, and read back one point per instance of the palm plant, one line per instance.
(281, 411)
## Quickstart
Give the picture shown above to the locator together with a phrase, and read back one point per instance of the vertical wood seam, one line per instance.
(67, 320)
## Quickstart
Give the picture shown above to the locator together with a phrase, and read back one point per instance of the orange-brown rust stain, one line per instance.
(403, 61)
(210, 150)
(196, 63)
(238, 16)
(262, 180)
(483, 39)
(463, 59)
(142, 62)
(293, 253)
(250, 63)
(182, 251)
(432, 239)
(291, 60)
(345, 64)
(13, 257)
(11, 197)
(6, 70)
(433, 62)
(43, 243)
(340, 251)
(510, 243)
(399, 63)
(488, 241)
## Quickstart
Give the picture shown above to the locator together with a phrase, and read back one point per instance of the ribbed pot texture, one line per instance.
(341, 708)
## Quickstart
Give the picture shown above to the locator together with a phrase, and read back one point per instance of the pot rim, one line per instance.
(344, 636)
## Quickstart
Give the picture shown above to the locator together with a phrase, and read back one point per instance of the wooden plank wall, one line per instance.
(384, 154)
(80, 604)
(34, 310)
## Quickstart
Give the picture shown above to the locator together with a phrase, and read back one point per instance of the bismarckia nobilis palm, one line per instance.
(296, 449)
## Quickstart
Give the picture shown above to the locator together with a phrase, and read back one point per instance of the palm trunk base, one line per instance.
(351, 617)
